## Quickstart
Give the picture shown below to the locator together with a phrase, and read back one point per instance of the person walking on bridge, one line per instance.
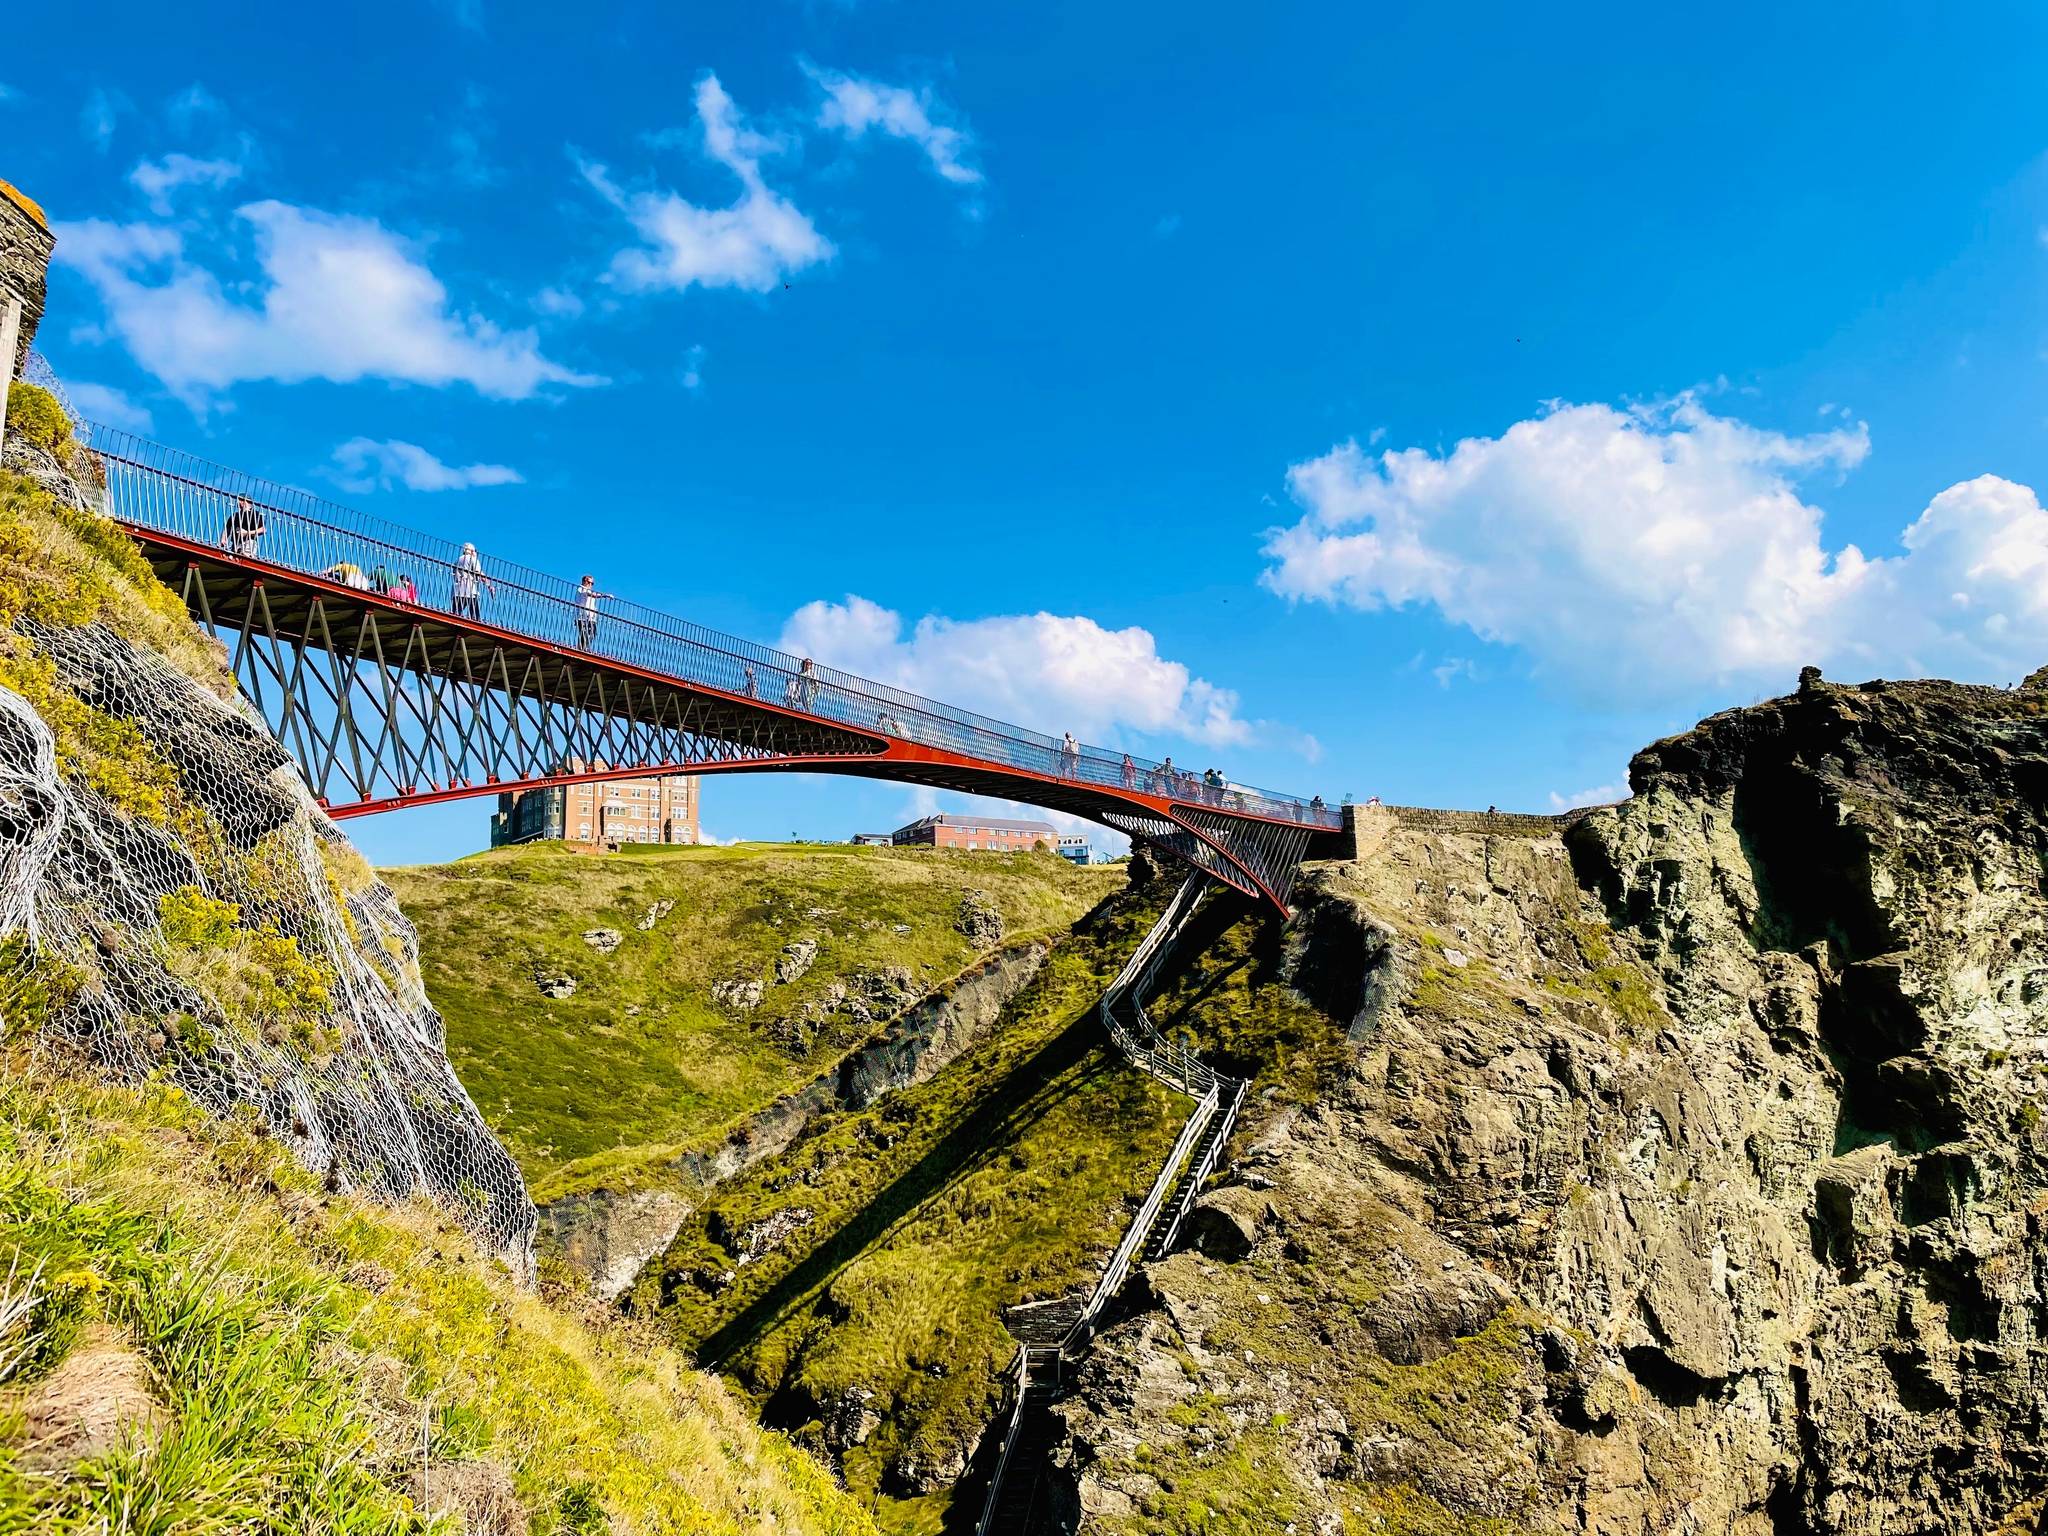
(587, 599)
(1070, 756)
(470, 580)
(806, 681)
(244, 527)
(1130, 772)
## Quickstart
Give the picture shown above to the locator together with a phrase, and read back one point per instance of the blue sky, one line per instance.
(1432, 405)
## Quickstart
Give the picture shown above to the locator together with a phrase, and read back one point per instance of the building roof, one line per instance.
(993, 823)
(25, 203)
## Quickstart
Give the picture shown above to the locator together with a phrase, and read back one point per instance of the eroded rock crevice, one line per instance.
(1687, 1172)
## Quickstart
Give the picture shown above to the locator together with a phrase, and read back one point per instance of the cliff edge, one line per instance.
(1687, 1171)
(172, 902)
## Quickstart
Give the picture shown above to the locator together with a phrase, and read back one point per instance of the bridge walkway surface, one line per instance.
(1053, 1335)
(398, 669)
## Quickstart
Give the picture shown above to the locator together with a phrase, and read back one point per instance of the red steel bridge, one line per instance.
(471, 687)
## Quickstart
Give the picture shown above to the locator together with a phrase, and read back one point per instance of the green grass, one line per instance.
(584, 1091)
(1009, 1176)
(299, 1347)
(1303, 1313)
(1229, 1003)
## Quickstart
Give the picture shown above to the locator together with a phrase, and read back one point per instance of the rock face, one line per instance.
(909, 1050)
(1702, 1190)
(979, 922)
(173, 904)
(608, 1237)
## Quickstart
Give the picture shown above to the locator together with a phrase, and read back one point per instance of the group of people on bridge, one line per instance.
(468, 585)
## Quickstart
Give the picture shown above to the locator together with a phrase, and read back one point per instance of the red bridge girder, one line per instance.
(386, 703)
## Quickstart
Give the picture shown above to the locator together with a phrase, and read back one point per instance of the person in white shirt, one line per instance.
(470, 582)
(587, 599)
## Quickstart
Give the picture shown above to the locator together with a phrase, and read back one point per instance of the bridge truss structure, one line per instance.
(483, 677)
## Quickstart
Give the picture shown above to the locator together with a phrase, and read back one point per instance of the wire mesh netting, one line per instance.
(174, 905)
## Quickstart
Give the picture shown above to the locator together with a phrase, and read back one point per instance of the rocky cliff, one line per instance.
(1686, 1172)
(172, 903)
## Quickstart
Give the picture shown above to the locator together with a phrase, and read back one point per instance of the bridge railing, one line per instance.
(177, 493)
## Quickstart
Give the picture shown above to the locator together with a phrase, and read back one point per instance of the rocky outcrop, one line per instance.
(794, 962)
(979, 922)
(1687, 1175)
(607, 1237)
(174, 905)
(908, 1050)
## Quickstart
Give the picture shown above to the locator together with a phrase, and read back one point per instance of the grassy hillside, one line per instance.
(195, 1339)
(873, 1329)
(641, 1062)
(196, 1336)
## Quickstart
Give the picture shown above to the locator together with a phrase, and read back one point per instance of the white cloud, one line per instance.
(558, 302)
(158, 179)
(468, 160)
(101, 114)
(853, 104)
(341, 298)
(193, 103)
(365, 465)
(1451, 668)
(1047, 670)
(109, 406)
(1634, 553)
(1599, 794)
(753, 243)
(693, 368)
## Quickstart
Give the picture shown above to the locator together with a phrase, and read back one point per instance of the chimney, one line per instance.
(25, 246)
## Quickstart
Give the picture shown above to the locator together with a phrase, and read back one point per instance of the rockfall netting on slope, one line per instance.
(174, 904)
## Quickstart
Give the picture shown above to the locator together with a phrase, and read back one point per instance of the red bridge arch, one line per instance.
(465, 688)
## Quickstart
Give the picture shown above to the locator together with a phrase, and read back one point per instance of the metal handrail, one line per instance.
(1199, 1174)
(1176, 1066)
(1148, 1049)
(1020, 1381)
(1120, 1263)
(164, 489)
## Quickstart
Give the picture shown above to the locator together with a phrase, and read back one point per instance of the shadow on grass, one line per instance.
(1025, 1095)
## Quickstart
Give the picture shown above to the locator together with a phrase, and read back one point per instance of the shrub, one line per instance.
(35, 414)
(259, 977)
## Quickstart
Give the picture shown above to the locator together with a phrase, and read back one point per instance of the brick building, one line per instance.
(986, 832)
(662, 809)
(25, 246)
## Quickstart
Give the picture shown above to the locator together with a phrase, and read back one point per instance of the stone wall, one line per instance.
(1367, 826)
(25, 246)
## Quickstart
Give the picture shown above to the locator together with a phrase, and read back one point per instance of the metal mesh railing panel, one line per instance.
(156, 488)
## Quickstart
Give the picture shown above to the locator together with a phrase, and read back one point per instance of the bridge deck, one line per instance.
(477, 683)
